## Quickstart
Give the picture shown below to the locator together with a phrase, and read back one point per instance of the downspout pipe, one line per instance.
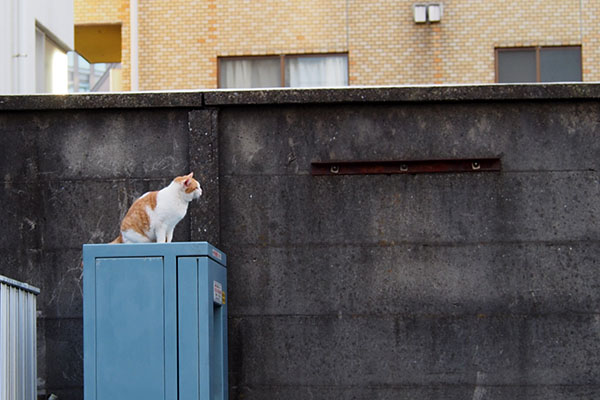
(19, 48)
(133, 22)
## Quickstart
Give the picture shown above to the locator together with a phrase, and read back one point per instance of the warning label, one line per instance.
(218, 294)
(217, 255)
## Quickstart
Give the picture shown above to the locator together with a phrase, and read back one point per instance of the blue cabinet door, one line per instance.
(202, 329)
(130, 338)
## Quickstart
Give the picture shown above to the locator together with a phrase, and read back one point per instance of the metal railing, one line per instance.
(18, 357)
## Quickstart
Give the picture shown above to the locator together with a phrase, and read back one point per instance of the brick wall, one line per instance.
(180, 40)
(104, 11)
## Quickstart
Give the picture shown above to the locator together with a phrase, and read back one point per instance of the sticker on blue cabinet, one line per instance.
(217, 255)
(218, 293)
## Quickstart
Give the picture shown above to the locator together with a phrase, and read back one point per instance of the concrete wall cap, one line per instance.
(353, 94)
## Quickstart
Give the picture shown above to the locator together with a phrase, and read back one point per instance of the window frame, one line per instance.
(538, 50)
(282, 58)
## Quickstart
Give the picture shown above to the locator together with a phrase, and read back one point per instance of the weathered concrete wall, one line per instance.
(441, 286)
(68, 177)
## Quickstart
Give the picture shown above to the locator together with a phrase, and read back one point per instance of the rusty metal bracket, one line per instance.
(406, 167)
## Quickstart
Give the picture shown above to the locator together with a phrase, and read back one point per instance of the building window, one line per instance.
(539, 64)
(283, 71)
(92, 77)
(252, 72)
(87, 77)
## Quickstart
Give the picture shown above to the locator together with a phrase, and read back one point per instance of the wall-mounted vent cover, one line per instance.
(427, 12)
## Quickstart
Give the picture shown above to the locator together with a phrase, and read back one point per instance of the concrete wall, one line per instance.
(437, 286)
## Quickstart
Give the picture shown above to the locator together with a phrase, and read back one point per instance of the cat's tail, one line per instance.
(119, 239)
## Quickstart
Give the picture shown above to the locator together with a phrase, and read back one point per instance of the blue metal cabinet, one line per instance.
(155, 321)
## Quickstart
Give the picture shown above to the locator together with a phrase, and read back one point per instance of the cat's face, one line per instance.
(190, 186)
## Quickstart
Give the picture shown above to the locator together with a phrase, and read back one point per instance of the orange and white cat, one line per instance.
(152, 217)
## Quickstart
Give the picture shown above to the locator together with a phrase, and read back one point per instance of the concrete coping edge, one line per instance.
(352, 94)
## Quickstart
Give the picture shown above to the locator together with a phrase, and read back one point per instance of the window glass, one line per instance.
(99, 68)
(86, 77)
(315, 71)
(560, 64)
(71, 81)
(299, 71)
(84, 83)
(252, 72)
(84, 66)
(517, 65)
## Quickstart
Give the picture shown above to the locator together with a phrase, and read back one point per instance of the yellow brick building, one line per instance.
(182, 44)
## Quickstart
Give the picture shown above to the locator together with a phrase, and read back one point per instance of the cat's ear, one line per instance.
(188, 179)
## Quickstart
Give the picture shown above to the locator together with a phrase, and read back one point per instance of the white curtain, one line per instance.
(300, 71)
(316, 71)
(250, 72)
